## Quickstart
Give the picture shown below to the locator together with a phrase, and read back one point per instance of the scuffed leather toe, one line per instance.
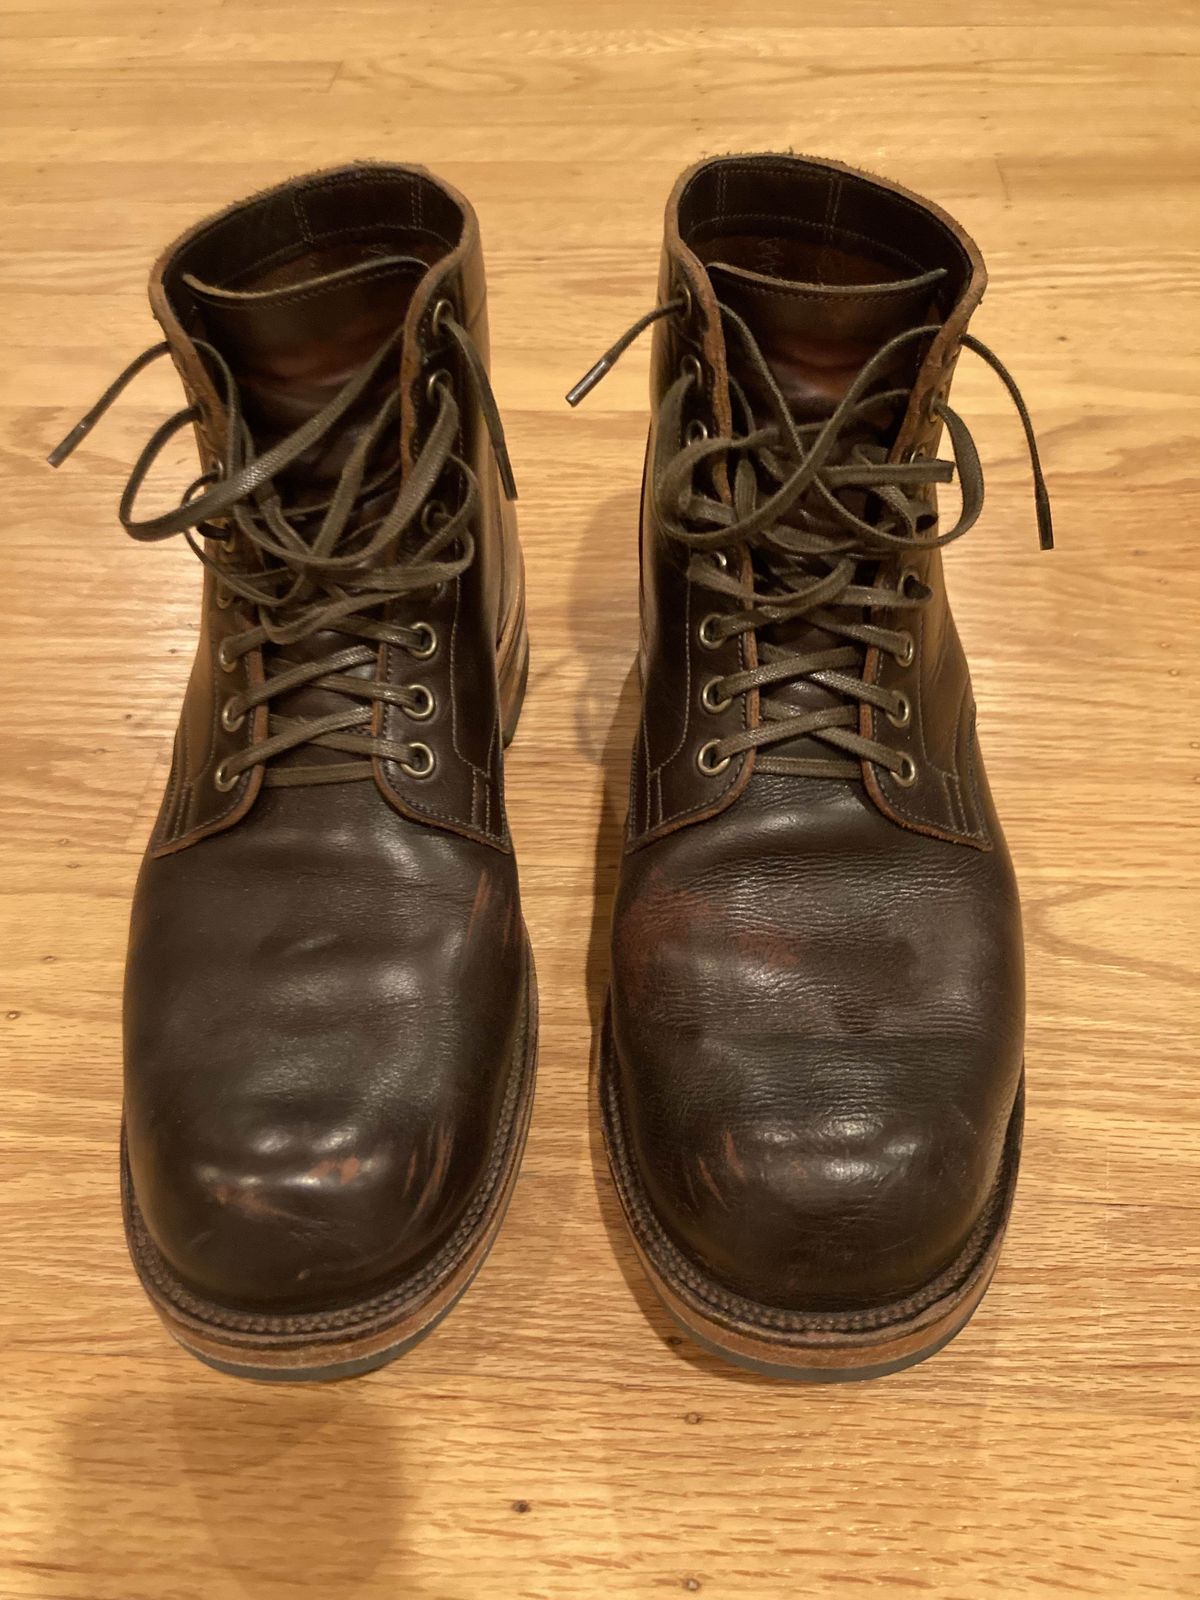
(857, 1209)
(309, 1210)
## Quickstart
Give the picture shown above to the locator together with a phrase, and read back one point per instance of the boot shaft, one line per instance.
(826, 263)
(824, 267)
(269, 308)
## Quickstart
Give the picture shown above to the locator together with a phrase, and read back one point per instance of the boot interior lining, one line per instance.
(786, 218)
(289, 236)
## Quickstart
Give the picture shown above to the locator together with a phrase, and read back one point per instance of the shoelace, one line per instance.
(322, 565)
(812, 552)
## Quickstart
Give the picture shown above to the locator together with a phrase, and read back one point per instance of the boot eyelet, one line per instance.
(909, 580)
(695, 431)
(225, 661)
(690, 367)
(706, 634)
(222, 597)
(720, 559)
(907, 651)
(443, 309)
(422, 652)
(435, 381)
(430, 512)
(421, 763)
(684, 293)
(711, 700)
(231, 718)
(902, 716)
(223, 779)
(907, 774)
(424, 708)
(709, 762)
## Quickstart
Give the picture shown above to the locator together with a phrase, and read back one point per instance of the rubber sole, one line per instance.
(821, 1347)
(323, 1346)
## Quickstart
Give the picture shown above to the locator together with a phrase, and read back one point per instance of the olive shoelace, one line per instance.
(307, 567)
(797, 497)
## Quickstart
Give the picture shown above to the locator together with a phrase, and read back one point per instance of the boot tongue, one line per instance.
(816, 337)
(292, 345)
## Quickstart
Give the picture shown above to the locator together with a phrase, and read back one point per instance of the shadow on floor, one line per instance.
(268, 1490)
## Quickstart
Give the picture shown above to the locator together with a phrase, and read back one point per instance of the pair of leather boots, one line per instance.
(810, 1075)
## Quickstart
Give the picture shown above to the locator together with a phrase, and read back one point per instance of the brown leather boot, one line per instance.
(330, 1012)
(811, 1067)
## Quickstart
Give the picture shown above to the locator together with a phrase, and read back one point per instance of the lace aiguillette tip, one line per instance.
(1045, 526)
(65, 447)
(589, 380)
(614, 353)
(90, 418)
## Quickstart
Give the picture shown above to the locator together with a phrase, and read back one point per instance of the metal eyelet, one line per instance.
(720, 559)
(711, 701)
(223, 779)
(907, 576)
(695, 431)
(705, 760)
(424, 651)
(225, 661)
(707, 637)
(425, 703)
(907, 650)
(442, 309)
(434, 382)
(902, 716)
(690, 367)
(907, 774)
(231, 720)
(684, 293)
(431, 509)
(423, 767)
(222, 597)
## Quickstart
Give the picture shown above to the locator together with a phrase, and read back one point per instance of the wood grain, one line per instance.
(555, 1440)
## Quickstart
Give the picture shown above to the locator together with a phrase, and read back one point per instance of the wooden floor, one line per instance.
(555, 1438)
